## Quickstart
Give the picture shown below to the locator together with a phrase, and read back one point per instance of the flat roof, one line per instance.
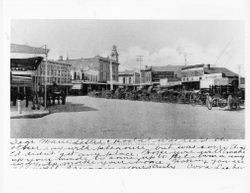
(193, 66)
(18, 48)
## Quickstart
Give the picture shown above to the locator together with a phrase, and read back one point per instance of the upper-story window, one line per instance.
(74, 76)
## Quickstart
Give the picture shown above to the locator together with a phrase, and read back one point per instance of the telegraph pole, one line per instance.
(140, 59)
(185, 56)
(45, 81)
(134, 80)
(239, 77)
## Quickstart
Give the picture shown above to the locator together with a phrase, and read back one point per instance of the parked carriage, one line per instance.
(199, 97)
(225, 96)
(215, 96)
(56, 93)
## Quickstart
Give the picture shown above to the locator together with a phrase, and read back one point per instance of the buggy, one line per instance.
(225, 96)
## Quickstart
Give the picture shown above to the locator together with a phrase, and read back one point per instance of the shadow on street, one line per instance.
(69, 107)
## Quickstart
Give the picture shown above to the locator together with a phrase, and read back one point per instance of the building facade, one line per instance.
(58, 73)
(129, 78)
(24, 62)
(96, 69)
(93, 73)
(202, 76)
(153, 75)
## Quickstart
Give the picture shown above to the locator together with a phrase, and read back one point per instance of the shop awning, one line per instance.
(24, 64)
(76, 87)
(21, 80)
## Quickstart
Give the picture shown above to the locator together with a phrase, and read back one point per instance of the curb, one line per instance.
(30, 116)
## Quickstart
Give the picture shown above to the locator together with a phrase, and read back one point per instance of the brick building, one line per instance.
(58, 73)
(92, 73)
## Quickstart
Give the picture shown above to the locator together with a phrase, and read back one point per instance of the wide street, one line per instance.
(85, 117)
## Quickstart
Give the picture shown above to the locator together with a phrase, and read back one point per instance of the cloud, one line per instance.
(228, 56)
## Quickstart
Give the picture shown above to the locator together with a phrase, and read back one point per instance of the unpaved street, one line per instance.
(85, 117)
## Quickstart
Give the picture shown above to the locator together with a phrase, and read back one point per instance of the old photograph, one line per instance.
(125, 96)
(127, 79)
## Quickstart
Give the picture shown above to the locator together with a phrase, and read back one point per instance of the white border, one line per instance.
(124, 181)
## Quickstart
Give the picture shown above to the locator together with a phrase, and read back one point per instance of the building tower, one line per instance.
(114, 54)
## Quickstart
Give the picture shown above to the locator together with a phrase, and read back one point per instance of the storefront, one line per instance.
(22, 79)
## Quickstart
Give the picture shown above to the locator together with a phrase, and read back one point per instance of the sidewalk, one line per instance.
(27, 112)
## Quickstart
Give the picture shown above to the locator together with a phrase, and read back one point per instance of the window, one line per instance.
(78, 76)
(123, 80)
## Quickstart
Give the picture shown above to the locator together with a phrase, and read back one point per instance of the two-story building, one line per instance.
(129, 79)
(58, 73)
(93, 73)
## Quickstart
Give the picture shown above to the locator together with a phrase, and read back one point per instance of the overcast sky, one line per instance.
(161, 42)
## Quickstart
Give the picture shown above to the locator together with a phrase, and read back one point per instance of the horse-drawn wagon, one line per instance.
(225, 96)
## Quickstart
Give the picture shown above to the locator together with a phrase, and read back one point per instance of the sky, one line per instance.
(161, 42)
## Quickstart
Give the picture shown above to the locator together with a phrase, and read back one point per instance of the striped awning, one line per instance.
(21, 80)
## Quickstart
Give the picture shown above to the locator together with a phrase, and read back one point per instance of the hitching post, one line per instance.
(19, 106)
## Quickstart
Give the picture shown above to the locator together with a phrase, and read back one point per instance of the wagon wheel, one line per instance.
(199, 102)
(192, 99)
(237, 103)
(209, 102)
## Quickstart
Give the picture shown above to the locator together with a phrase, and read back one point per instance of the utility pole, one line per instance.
(239, 77)
(185, 56)
(134, 80)
(139, 58)
(45, 81)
